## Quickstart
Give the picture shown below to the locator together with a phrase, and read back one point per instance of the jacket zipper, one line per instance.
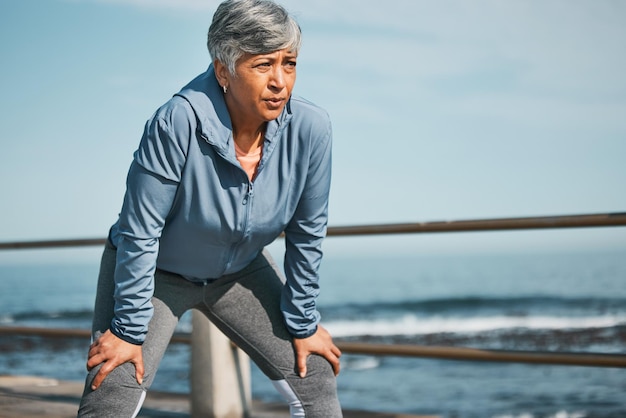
(248, 196)
(247, 208)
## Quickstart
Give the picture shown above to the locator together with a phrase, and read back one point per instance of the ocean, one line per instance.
(572, 302)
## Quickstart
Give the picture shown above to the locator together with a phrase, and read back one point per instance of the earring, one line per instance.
(225, 89)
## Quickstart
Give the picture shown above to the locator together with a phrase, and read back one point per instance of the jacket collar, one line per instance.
(206, 98)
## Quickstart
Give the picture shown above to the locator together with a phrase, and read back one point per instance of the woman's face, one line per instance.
(261, 88)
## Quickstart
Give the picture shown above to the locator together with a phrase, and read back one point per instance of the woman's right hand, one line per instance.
(112, 351)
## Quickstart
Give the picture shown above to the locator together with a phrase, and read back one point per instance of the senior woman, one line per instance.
(225, 166)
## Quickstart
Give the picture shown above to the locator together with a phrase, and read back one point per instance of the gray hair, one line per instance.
(252, 27)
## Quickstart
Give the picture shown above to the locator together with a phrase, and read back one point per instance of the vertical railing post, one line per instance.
(220, 373)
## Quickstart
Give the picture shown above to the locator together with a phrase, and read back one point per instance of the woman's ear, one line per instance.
(221, 73)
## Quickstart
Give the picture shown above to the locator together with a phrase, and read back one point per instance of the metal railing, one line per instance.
(450, 353)
(502, 224)
(401, 350)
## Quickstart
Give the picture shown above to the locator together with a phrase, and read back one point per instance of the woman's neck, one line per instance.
(250, 139)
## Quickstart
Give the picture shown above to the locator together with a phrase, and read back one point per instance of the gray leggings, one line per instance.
(245, 306)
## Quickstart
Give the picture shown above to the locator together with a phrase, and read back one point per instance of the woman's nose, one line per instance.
(277, 80)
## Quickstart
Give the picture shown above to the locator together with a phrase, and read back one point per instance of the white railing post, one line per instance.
(220, 373)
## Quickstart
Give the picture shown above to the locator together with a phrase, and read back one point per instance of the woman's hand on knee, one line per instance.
(320, 343)
(111, 351)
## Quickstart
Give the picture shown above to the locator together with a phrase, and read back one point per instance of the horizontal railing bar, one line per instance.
(544, 222)
(402, 350)
(71, 333)
(477, 354)
(59, 243)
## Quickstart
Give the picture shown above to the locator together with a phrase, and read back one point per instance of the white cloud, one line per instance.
(167, 5)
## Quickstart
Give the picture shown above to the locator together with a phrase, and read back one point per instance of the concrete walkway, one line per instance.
(25, 396)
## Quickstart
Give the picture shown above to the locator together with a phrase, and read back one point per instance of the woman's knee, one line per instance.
(119, 395)
(317, 391)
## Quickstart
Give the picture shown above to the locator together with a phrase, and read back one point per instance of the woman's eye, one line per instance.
(263, 66)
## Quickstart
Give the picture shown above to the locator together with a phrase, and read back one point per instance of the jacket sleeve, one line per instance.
(150, 190)
(303, 241)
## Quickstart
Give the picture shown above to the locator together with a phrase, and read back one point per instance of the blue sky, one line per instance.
(442, 110)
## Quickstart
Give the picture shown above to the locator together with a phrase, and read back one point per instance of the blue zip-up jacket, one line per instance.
(190, 208)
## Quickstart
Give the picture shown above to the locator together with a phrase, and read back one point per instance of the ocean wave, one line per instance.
(560, 414)
(360, 362)
(82, 314)
(413, 325)
(479, 305)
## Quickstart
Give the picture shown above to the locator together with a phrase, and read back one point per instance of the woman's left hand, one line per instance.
(111, 351)
(319, 343)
